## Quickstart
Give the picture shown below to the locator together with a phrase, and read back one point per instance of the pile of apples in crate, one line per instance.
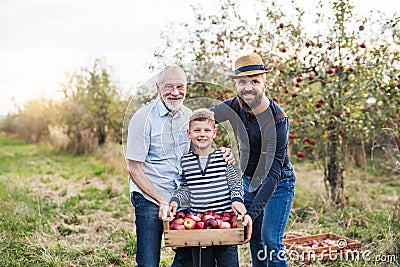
(206, 220)
(324, 243)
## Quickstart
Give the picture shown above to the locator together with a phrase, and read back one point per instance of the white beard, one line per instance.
(172, 105)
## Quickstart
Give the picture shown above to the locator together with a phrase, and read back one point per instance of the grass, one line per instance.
(59, 209)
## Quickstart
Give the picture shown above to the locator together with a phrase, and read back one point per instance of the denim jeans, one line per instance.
(149, 230)
(266, 243)
(220, 256)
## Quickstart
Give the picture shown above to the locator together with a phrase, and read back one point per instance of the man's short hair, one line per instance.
(202, 114)
(173, 68)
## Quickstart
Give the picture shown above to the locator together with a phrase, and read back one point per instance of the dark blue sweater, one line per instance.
(254, 140)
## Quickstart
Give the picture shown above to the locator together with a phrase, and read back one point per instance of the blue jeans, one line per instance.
(220, 256)
(149, 230)
(266, 245)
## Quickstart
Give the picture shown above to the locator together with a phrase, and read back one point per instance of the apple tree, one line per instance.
(337, 78)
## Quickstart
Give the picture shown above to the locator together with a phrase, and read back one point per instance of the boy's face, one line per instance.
(202, 133)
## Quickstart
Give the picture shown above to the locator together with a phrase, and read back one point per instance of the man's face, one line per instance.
(173, 89)
(250, 90)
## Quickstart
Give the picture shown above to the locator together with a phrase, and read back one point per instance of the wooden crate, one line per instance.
(296, 249)
(344, 243)
(203, 237)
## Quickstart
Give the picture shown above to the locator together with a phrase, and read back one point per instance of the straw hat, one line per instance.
(249, 65)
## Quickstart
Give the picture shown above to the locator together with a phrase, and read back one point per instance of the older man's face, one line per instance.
(173, 89)
(250, 90)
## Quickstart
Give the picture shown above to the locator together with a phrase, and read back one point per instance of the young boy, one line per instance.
(209, 183)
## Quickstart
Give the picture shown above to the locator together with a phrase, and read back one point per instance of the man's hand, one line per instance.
(228, 155)
(248, 222)
(163, 210)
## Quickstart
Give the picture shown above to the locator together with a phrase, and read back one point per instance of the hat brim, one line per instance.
(248, 73)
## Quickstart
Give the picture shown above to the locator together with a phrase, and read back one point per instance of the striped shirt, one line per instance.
(213, 188)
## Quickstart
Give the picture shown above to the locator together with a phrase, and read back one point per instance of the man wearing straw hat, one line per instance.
(262, 129)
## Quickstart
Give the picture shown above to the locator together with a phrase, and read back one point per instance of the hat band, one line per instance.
(250, 67)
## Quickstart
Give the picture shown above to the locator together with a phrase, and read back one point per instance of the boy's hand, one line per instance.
(173, 206)
(228, 155)
(248, 223)
(238, 208)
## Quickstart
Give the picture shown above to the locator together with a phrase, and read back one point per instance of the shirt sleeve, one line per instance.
(138, 141)
(223, 111)
(270, 183)
(234, 184)
(182, 194)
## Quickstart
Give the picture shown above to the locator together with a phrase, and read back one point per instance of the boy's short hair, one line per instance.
(202, 114)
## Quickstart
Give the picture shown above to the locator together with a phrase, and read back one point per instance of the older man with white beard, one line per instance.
(156, 141)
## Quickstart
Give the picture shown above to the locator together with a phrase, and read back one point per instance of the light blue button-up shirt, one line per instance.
(159, 140)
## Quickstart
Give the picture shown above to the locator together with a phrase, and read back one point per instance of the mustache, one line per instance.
(174, 97)
(253, 92)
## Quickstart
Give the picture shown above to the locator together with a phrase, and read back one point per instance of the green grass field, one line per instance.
(58, 209)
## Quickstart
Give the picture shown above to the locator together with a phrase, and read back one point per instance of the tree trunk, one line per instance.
(334, 173)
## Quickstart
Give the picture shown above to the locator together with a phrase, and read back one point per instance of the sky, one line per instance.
(43, 41)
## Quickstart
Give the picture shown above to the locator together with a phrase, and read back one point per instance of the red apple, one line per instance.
(281, 25)
(194, 217)
(180, 214)
(200, 215)
(300, 154)
(363, 45)
(200, 225)
(234, 225)
(226, 214)
(225, 225)
(217, 216)
(317, 105)
(179, 227)
(211, 224)
(330, 71)
(291, 136)
(233, 219)
(209, 212)
(294, 94)
(313, 142)
(305, 139)
(207, 216)
(197, 219)
(299, 79)
(190, 223)
(226, 219)
(361, 27)
(219, 221)
(179, 221)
